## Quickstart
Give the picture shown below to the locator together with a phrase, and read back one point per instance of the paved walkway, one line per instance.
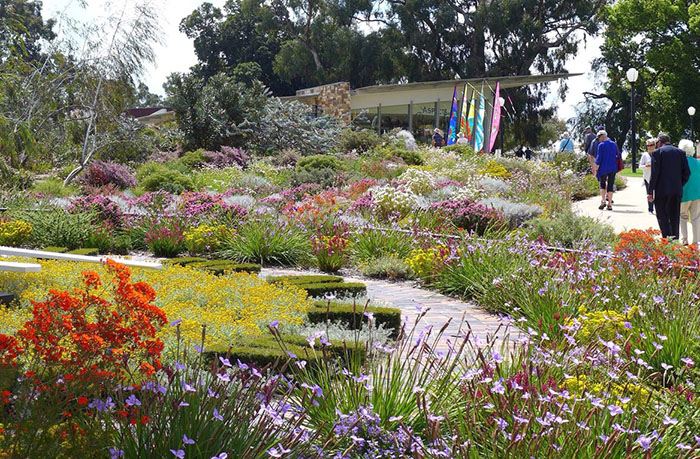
(411, 300)
(630, 209)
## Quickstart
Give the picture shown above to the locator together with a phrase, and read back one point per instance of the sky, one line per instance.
(176, 54)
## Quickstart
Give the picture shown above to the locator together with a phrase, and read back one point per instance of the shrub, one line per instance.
(462, 150)
(495, 169)
(358, 140)
(394, 202)
(418, 181)
(286, 157)
(571, 231)
(226, 156)
(167, 180)
(427, 263)
(411, 158)
(266, 241)
(103, 209)
(86, 251)
(54, 187)
(165, 237)
(515, 213)
(193, 159)
(326, 177)
(14, 232)
(387, 267)
(99, 173)
(354, 317)
(309, 163)
(469, 216)
(205, 238)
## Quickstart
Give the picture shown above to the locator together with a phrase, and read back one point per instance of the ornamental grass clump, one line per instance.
(165, 236)
(331, 252)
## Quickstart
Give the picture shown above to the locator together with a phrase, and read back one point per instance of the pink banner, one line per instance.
(496, 118)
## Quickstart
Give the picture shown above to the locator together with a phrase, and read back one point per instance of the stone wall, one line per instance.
(334, 98)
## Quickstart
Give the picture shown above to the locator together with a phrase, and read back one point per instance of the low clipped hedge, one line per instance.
(265, 351)
(353, 316)
(217, 267)
(90, 251)
(220, 267)
(55, 249)
(86, 251)
(300, 279)
(339, 289)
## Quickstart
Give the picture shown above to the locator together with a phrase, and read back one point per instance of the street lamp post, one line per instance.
(691, 112)
(632, 75)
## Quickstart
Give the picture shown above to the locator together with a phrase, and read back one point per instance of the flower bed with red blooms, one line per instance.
(76, 346)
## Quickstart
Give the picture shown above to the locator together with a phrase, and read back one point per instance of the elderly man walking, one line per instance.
(669, 172)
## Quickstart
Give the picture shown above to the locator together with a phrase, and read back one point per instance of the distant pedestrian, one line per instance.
(593, 148)
(528, 153)
(462, 139)
(520, 152)
(669, 172)
(690, 202)
(566, 143)
(606, 168)
(645, 166)
(588, 138)
(438, 139)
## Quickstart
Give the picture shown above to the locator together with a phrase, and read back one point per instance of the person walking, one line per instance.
(528, 153)
(588, 138)
(593, 148)
(690, 202)
(606, 168)
(669, 172)
(462, 139)
(566, 143)
(645, 166)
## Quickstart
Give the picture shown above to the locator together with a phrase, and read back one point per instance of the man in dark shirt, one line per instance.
(592, 147)
(528, 155)
(669, 172)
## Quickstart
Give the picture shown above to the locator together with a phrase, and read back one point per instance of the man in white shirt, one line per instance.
(645, 166)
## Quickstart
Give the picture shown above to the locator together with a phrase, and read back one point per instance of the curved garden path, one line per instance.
(630, 209)
(411, 300)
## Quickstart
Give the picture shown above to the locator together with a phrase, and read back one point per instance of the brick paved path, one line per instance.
(411, 300)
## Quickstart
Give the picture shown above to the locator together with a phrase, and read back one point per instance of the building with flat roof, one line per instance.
(417, 107)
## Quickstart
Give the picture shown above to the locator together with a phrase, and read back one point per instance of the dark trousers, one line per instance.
(668, 214)
(651, 203)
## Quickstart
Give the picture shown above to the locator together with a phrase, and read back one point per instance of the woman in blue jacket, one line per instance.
(606, 168)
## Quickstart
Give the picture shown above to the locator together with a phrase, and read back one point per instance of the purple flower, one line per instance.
(688, 361)
(175, 323)
(180, 366)
(180, 453)
(615, 410)
(223, 377)
(220, 456)
(217, 415)
(187, 441)
(187, 387)
(224, 361)
(115, 453)
(241, 365)
(133, 401)
(275, 324)
(644, 442)
(658, 299)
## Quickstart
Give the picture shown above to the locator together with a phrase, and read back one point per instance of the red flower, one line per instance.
(82, 400)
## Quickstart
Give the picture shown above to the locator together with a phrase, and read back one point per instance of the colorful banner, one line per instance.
(463, 126)
(452, 128)
(496, 118)
(479, 129)
(470, 118)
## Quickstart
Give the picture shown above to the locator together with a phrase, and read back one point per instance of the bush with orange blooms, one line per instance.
(76, 346)
(645, 249)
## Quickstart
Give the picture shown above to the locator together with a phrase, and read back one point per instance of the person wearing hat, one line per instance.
(606, 168)
(669, 172)
(592, 149)
(566, 143)
(438, 139)
(645, 166)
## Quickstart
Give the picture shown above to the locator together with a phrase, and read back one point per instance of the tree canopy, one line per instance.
(661, 39)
